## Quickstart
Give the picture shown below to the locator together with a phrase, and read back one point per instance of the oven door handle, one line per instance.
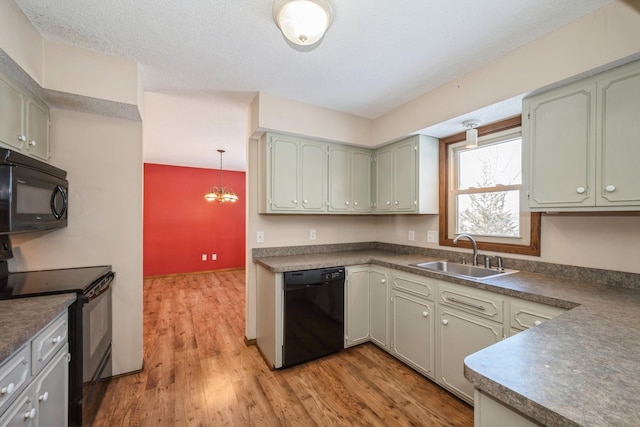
(102, 288)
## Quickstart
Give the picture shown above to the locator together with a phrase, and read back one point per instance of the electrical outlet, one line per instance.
(432, 236)
(214, 257)
(204, 257)
(260, 237)
(412, 235)
(312, 234)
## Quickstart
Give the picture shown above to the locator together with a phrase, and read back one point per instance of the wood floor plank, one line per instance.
(198, 372)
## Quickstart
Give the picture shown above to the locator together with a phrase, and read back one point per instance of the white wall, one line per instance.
(604, 36)
(103, 158)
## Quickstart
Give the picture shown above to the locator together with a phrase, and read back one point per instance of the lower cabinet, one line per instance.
(461, 334)
(432, 325)
(488, 412)
(34, 382)
(379, 307)
(413, 331)
(357, 305)
(44, 402)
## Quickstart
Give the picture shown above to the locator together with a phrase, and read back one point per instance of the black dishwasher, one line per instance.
(313, 314)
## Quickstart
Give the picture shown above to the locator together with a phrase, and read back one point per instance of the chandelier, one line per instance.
(221, 193)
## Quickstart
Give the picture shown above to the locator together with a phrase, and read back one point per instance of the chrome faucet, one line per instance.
(473, 244)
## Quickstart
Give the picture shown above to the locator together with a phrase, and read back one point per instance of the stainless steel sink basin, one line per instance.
(463, 270)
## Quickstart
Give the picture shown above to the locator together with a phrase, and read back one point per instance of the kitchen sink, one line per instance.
(463, 270)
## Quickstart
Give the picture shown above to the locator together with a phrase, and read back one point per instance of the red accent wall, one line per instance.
(180, 225)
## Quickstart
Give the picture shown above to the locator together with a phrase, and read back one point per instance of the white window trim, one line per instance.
(525, 217)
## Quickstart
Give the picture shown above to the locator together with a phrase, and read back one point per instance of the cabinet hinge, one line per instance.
(529, 116)
(415, 148)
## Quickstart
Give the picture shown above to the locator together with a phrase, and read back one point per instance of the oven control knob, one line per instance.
(30, 414)
(7, 389)
(43, 397)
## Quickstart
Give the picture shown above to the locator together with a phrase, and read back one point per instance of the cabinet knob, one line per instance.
(383, 280)
(7, 389)
(305, 201)
(56, 340)
(22, 138)
(30, 414)
(397, 202)
(388, 203)
(43, 397)
(610, 188)
(425, 313)
(580, 190)
(295, 201)
(346, 203)
(32, 143)
(355, 203)
(537, 323)
(445, 322)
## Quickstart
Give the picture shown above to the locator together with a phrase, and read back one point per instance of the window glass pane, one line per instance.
(489, 214)
(490, 165)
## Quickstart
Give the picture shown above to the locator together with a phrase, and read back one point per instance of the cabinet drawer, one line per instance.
(22, 413)
(415, 284)
(47, 343)
(525, 314)
(484, 304)
(14, 375)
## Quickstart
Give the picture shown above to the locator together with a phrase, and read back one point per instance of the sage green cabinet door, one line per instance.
(357, 306)
(361, 181)
(461, 334)
(384, 180)
(404, 169)
(379, 308)
(560, 144)
(313, 168)
(413, 332)
(37, 129)
(284, 173)
(52, 391)
(339, 178)
(618, 139)
(11, 114)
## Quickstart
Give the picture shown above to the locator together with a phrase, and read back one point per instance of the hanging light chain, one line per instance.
(221, 193)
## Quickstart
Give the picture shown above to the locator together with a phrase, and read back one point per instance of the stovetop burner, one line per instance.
(48, 282)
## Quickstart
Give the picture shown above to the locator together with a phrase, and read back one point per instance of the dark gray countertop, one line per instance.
(579, 369)
(22, 318)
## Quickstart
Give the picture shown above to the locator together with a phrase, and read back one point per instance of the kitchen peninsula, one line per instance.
(574, 370)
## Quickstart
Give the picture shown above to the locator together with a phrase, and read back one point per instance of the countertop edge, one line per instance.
(49, 307)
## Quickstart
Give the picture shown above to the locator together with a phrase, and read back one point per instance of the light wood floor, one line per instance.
(198, 372)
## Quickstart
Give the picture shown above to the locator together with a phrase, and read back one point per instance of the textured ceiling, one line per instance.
(376, 56)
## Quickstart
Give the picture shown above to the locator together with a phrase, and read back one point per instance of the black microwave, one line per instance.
(33, 194)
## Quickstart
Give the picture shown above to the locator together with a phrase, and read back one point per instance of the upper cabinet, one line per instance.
(406, 176)
(300, 175)
(349, 179)
(24, 120)
(581, 144)
(293, 175)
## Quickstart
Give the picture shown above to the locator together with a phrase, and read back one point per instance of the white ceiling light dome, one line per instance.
(303, 22)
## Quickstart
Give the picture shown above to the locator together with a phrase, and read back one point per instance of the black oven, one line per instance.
(90, 323)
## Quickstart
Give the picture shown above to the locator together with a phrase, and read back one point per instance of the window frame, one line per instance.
(446, 237)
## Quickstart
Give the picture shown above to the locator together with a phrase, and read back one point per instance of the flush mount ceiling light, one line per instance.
(472, 133)
(221, 193)
(303, 22)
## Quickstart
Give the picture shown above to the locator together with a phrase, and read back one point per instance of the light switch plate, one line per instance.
(412, 235)
(312, 234)
(432, 236)
(260, 237)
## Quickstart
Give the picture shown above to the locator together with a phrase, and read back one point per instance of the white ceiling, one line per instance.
(376, 56)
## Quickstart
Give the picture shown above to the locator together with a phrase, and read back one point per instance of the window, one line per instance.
(480, 192)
